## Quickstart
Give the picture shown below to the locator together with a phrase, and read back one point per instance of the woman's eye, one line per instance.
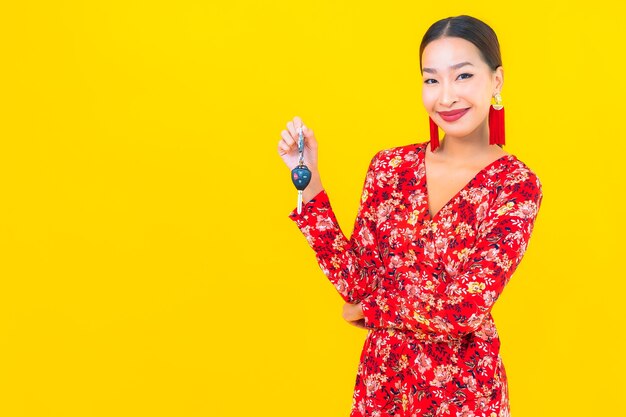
(463, 76)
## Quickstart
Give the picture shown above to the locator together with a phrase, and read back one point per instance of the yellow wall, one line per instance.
(147, 263)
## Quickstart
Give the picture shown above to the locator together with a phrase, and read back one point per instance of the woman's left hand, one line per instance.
(353, 314)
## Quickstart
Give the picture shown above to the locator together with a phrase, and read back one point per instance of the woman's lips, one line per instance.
(451, 116)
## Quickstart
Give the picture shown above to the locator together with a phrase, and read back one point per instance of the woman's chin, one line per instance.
(457, 131)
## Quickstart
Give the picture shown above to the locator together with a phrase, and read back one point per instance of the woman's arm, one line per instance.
(499, 248)
(351, 265)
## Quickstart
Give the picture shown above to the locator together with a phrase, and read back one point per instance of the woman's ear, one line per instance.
(498, 78)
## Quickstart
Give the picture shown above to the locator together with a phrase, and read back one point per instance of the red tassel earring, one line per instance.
(434, 135)
(496, 122)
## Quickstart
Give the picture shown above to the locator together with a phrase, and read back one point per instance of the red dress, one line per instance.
(427, 284)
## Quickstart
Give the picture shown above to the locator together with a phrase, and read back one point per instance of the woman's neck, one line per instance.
(474, 146)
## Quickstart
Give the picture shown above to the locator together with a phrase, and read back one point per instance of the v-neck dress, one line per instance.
(427, 284)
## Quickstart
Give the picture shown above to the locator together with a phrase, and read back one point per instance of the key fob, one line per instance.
(301, 177)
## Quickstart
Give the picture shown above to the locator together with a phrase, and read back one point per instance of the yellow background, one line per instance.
(147, 263)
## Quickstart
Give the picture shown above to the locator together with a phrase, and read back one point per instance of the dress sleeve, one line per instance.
(353, 265)
(500, 244)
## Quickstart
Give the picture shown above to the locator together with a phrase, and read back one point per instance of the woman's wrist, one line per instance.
(313, 189)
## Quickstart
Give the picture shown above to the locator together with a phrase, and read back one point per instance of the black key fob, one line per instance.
(301, 177)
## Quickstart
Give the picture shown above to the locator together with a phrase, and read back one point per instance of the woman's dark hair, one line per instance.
(472, 30)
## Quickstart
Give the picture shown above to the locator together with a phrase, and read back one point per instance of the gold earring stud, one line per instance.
(498, 104)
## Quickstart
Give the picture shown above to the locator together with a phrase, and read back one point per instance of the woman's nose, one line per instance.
(447, 96)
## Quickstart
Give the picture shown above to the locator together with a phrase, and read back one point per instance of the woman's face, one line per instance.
(456, 78)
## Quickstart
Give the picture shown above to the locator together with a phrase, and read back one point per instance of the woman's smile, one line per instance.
(451, 116)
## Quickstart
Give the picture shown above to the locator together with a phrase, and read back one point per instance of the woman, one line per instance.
(439, 232)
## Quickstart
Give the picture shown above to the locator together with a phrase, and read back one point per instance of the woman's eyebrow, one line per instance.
(455, 66)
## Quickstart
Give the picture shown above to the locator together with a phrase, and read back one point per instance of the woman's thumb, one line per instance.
(309, 136)
(307, 132)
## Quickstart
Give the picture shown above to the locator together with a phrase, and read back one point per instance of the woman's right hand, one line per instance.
(353, 314)
(288, 151)
(288, 145)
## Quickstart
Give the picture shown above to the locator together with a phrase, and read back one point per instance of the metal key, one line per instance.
(300, 175)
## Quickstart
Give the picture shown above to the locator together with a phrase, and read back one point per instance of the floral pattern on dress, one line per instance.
(427, 284)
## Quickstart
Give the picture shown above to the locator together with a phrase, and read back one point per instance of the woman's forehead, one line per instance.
(442, 53)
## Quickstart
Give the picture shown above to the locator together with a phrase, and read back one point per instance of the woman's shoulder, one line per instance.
(403, 150)
(519, 170)
(399, 155)
(519, 178)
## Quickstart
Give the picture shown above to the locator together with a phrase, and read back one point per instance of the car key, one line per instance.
(300, 175)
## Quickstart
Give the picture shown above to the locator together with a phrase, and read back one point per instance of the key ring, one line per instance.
(300, 175)
(301, 146)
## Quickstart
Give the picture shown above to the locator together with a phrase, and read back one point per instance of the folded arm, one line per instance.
(501, 242)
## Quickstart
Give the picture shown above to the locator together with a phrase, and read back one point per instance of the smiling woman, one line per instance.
(474, 50)
(439, 233)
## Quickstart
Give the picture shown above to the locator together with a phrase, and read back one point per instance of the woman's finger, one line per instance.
(283, 148)
(360, 323)
(297, 122)
(309, 138)
(292, 130)
(288, 139)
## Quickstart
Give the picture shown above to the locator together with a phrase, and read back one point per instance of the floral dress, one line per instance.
(427, 284)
